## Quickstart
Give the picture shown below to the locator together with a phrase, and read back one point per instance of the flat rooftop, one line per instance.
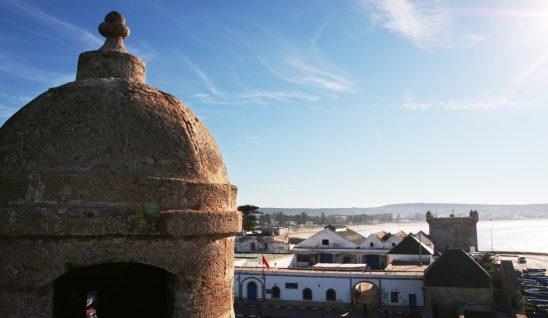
(269, 257)
(414, 274)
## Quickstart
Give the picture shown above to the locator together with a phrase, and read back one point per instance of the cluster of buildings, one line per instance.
(434, 275)
(339, 244)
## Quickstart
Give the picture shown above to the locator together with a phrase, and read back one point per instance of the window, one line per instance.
(325, 242)
(371, 244)
(291, 286)
(276, 292)
(330, 295)
(347, 260)
(252, 246)
(394, 297)
(307, 294)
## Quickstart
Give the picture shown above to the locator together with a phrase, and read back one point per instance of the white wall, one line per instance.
(396, 239)
(372, 238)
(404, 288)
(426, 259)
(341, 284)
(274, 260)
(379, 244)
(335, 241)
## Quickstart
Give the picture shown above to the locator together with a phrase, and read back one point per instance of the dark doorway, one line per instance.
(330, 295)
(119, 290)
(326, 258)
(373, 261)
(276, 292)
(251, 291)
(412, 301)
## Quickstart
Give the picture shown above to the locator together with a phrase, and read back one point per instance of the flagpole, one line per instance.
(264, 280)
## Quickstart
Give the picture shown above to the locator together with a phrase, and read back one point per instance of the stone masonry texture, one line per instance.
(107, 169)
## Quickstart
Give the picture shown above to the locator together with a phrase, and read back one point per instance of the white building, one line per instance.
(390, 290)
(275, 240)
(336, 244)
(256, 260)
(383, 240)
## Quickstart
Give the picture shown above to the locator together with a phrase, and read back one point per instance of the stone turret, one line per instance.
(454, 232)
(113, 193)
(474, 215)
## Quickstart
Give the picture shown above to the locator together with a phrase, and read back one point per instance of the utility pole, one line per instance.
(491, 221)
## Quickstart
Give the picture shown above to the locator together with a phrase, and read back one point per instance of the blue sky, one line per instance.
(327, 103)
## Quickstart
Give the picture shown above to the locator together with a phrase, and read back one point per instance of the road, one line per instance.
(251, 312)
(296, 312)
(533, 260)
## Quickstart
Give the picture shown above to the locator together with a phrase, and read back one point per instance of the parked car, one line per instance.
(522, 260)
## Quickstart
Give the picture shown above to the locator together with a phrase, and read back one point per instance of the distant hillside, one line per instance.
(409, 210)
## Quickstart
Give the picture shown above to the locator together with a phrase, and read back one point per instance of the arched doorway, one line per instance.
(366, 296)
(330, 295)
(251, 291)
(113, 291)
(275, 292)
(307, 294)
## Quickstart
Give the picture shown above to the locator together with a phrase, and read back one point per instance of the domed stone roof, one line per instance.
(110, 139)
(107, 171)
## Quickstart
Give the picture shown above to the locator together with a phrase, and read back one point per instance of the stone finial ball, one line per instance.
(115, 17)
(114, 26)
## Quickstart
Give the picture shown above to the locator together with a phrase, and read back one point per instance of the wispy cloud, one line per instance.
(269, 57)
(11, 103)
(246, 95)
(318, 35)
(319, 77)
(307, 75)
(6, 111)
(427, 24)
(316, 73)
(33, 74)
(211, 87)
(62, 27)
(17, 99)
(528, 72)
(277, 95)
(470, 104)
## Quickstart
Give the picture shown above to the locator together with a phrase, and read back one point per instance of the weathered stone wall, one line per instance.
(201, 266)
(106, 170)
(450, 301)
(453, 232)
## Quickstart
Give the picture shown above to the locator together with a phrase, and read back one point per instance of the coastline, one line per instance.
(520, 236)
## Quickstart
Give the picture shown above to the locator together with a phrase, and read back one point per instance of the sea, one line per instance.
(529, 235)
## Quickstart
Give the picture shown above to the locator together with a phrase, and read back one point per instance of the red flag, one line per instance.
(265, 263)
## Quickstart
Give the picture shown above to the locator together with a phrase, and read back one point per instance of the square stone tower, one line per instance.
(454, 232)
